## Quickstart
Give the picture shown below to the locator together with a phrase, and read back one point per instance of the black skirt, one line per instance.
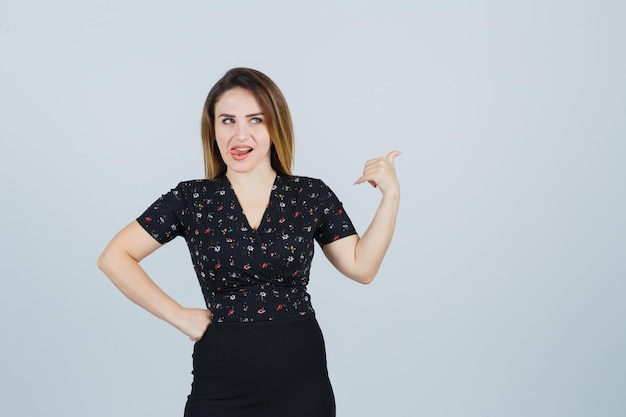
(263, 368)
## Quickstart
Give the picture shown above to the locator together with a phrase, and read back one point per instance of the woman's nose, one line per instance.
(242, 131)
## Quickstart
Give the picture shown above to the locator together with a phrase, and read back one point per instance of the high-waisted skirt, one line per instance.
(263, 368)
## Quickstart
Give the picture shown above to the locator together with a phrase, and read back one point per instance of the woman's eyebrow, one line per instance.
(247, 115)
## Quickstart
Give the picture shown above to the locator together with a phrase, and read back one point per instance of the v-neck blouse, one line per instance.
(248, 274)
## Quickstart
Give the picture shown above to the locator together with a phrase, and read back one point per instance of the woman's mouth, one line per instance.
(240, 152)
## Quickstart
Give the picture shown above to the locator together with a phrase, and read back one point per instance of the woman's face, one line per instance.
(241, 132)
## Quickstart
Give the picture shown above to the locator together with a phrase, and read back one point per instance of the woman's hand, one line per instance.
(381, 173)
(193, 322)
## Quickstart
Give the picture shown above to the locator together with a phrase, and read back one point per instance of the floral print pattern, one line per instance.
(247, 274)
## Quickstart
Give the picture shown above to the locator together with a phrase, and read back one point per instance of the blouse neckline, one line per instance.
(266, 212)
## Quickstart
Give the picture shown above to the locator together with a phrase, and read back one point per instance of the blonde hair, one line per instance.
(274, 107)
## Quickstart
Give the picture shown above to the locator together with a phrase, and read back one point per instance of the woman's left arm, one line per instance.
(359, 258)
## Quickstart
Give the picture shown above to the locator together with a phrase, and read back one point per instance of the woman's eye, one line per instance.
(256, 120)
(228, 121)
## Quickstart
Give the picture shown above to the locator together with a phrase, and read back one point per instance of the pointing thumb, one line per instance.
(391, 156)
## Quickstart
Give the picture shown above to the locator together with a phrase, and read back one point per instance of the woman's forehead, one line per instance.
(237, 98)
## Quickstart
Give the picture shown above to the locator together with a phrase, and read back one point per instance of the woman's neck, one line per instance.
(251, 179)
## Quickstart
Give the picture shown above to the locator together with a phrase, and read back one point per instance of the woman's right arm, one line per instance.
(120, 262)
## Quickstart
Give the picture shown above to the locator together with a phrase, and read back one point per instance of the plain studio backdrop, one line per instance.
(503, 291)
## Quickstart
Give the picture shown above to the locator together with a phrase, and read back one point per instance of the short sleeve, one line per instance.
(166, 217)
(334, 223)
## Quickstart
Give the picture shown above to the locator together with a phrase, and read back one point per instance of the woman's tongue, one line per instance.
(240, 153)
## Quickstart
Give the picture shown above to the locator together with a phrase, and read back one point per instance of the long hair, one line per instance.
(274, 107)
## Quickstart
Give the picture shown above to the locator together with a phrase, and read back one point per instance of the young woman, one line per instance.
(250, 227)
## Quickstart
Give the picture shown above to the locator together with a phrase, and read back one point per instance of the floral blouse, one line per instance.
(247, 274)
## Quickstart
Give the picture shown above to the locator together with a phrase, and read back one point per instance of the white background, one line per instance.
(503, 291)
